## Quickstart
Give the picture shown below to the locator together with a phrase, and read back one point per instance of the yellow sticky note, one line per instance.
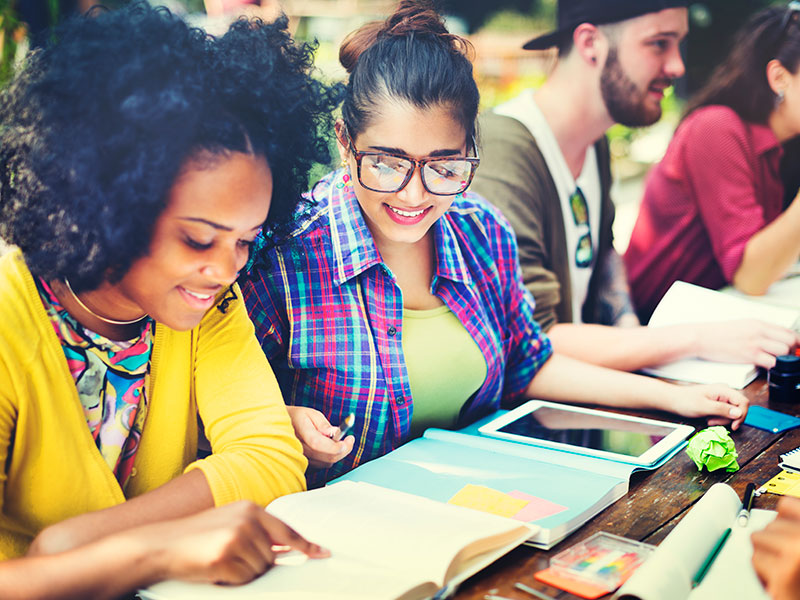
(488, 500)
(784, 483)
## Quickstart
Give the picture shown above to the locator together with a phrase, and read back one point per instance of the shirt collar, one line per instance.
(450, 262)
(764, 138)
(353, 246)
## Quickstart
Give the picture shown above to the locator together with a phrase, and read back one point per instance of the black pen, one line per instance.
(344, 427)
(747, 502)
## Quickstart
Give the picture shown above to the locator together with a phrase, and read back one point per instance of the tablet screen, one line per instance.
(594, 431)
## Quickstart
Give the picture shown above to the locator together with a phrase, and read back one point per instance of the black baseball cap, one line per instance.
(572, 13)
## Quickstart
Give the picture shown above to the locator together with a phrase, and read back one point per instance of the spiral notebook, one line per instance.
(790, 461)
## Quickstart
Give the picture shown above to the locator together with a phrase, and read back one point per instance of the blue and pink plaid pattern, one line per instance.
(329, 316)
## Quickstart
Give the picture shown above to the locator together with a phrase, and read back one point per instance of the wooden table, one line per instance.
(655, 503)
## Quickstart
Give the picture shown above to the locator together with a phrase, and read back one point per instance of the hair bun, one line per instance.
(412, 17)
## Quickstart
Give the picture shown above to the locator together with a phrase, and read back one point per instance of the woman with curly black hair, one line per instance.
(139, 158)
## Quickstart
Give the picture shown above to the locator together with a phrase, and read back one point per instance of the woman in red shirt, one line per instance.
(711, 213)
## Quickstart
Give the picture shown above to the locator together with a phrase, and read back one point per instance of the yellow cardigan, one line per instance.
(50, 468)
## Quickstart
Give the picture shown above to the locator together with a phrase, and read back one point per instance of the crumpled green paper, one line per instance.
(713, 449)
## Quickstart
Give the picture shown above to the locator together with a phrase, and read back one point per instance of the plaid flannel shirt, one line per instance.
(329, 315)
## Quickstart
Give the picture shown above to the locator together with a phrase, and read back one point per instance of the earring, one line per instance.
(780, 97)
(343, 163)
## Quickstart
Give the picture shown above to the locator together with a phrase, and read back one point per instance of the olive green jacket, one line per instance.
(513, 175)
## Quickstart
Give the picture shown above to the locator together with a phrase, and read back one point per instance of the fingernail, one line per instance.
(735, 412)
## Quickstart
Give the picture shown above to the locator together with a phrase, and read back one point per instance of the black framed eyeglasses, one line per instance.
(584, 253)
(387, 172)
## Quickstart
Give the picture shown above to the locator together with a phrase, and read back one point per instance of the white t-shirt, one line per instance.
(523, 108)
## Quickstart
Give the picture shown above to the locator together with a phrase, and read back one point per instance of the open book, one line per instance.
(384, 545)
(668, 573)
(686, 303)
(557, 491)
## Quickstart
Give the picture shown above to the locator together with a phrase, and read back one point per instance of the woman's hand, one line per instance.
(231, 544)
(719, 403)
(315, 433)
(565, 379)
(776, 552)
(742, 341)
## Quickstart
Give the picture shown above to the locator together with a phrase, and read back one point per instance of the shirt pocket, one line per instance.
(333, 337)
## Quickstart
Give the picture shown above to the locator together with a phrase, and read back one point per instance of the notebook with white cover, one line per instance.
(686, 303)
(668, 573)
(790, 461)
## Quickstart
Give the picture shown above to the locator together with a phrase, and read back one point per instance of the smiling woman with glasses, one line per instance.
(398, 297)
(713, 210)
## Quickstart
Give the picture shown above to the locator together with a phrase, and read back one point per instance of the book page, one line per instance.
(735, 558)
(340, 577)
(383, 543)
(392, 527)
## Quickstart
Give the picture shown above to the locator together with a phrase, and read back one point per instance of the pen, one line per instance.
(532, 592)
(344, 427)
(747, 502)
(701, 572)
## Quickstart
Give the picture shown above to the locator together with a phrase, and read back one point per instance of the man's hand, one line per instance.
(776, 552)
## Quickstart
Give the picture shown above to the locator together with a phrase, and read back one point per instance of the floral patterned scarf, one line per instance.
(111, 378)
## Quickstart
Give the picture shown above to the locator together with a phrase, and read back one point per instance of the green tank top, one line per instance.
(445, 366)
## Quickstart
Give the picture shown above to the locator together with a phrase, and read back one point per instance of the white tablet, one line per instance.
(587, 431)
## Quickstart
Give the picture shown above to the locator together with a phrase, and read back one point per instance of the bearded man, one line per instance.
(545, 164)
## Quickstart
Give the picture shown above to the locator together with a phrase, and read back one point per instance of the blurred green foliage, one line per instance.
(476, 14)
(11, 33)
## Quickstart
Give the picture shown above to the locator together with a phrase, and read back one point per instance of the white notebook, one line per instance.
(790, 461)
(668, 573)
(686, 303)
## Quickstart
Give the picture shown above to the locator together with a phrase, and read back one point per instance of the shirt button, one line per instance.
(400, 401)
(134, 472)
(391, 331)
